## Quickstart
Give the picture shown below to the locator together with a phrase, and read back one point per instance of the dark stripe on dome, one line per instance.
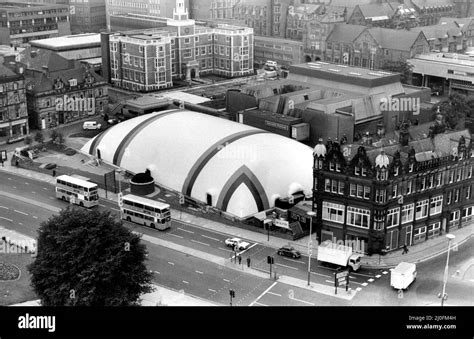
(133, 133)
(209, 154)
(96, 142)
(243, 176)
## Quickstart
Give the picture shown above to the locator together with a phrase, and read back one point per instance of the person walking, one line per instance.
(240, 259)
(248, 262)
(405, 249)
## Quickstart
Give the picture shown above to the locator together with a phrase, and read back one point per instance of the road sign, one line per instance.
(310, 251)
(342, 274)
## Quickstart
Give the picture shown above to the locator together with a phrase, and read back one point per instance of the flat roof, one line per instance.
(147, 101)
(186, 97)
(146, 201)
(69, 42)
(447, 58)
(77, 181)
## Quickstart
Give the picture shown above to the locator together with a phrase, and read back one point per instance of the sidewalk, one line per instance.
(417, 253)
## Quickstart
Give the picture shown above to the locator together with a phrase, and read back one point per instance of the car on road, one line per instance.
(237, 242)
(50, 166)
(288, 251)
(91, 125)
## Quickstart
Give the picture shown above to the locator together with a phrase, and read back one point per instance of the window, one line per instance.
(433, 230)
(352, 192)
(334, 186)
(187, 40)
(407, 213)
(333, 212)
(456, 195)
(331, 166)
(430, 181)
(341, 187)
(393, 217)
(438, 179)
(140, 49)
(380, 196)
(451, 176)
(449, 197)
(468, 192)
(469, 171)
(203, 50)
(360, 191)
(458, 174)
(394, 190)
(467, 214)
(327, 185)
(366, 192)
(436, 205)
(419, 234)
(422, 184)
(421, 209)
(357, 170)
(358, 217)
(410, 168)
(187, 53)
(395, 171)
(409, 186)
(196, 38)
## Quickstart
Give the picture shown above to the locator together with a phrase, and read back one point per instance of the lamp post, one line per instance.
(311, 214)
(445, 280)
(120, 191)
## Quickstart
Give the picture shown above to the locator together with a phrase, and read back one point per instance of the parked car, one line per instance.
(50, 166)
(91, 125)
(237, 242)
(288, 251)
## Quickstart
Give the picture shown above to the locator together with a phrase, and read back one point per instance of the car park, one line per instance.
(288, 251)
(237, 243)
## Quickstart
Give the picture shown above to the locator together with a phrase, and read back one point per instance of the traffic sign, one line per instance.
(310, 252)
(342, 274)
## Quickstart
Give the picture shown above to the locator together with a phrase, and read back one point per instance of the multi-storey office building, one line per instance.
(87, 16)
(21, 22)
(148, 60)
(13, 112)
(402, 194)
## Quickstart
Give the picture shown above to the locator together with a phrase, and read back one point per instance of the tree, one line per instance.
(39, 137)
(60, 138)
(53, 135)
(88, 258)
(404, 68)
(28, 140)
(454, 109)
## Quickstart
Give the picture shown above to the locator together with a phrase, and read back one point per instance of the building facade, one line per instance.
(87, 16)
(381, 200)
(283, 51)
(13, 112)
(149, 60)
(20, 22)
(430, 11)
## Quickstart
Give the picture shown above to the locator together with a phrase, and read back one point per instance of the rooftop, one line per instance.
(447, 58)
(18, 6)
(68, 42)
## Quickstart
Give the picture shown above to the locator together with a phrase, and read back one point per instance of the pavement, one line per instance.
(417, 253)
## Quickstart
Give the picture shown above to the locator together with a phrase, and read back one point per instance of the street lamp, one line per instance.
(445, 280)
(311, 214)
(119, 171)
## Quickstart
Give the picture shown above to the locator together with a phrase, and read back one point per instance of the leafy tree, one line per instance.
(53, 135)
(404, 68)
(28, 140)
(88, 258)
(39, 137)
(454, 109)
(60, 138)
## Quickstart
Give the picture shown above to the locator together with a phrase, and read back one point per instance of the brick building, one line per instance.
(401, 194)
(87, 16)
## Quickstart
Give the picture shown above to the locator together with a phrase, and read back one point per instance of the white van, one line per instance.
(271, 63)
(91, 125)
(403, 275)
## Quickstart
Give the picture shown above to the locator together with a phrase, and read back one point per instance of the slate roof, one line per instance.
(6, 72)
(34, 59)
(431, 3)
(394, 38)
(345, 33)
(378, 10)
(439, 31)
(45, 82)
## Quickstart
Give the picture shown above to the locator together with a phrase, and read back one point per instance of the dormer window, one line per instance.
(73, 82)
(364, 172)
(410, 168)
(395, 171)
(338, 167)
(357, 170)
(382, 174)
(331, 166)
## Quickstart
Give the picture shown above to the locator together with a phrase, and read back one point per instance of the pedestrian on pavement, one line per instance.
(405, 249)
(248, 262)
(240, 259)
(54, 173)
(17, 163)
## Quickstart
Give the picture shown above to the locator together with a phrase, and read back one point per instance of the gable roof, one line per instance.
(45, 82)
(377, 10)
(35, 59)
(432, 3)
(345, 32)
(440, 31)
(394, 38)
(5, 72)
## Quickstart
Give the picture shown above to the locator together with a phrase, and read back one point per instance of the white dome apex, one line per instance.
(382, 160)
(320, 150)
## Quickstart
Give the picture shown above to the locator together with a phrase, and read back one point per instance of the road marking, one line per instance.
(157, 272)
(101, 205)
(10, 220)
(378, 276)
(4, 207)
(362, 274)
(185, 282)
(9, 178)
(278, 295)
(303, 301)
(169, 262)
(34, 216)
(33, 192)
(226, 280)
(20, 223)
(51, 198)
(354, 282)
(161, 200)
(329, 268)
(242, 252)
(260, 304)
(224, 249)
(352, 277)
(199, 272)
(296, 261)
(45, 188)
(384, 272)
(294, 268)
(202, 243)
(182, 229)
(264, 292)
(364, 284)
(115, 209)
(20, 212)
(211, 290)
(329, 281)
(358, 289)
(371, 280)
(205, 236)
(175, 235)
(26, 183)
(323, 275)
